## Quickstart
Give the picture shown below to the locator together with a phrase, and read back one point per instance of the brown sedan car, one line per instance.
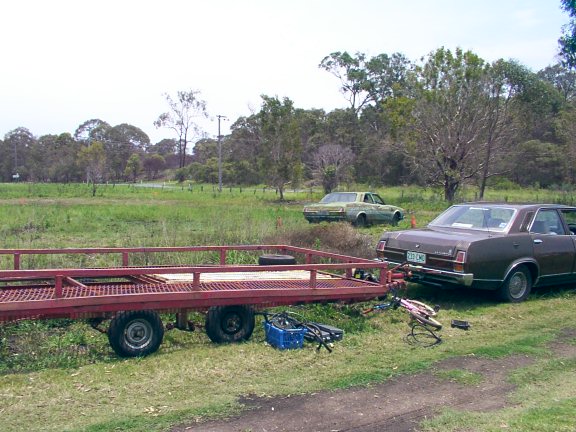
(508, 248)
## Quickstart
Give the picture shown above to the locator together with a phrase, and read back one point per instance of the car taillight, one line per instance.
(381, 246)
(459, 262)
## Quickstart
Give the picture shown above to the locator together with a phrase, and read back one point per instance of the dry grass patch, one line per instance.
(340, 238)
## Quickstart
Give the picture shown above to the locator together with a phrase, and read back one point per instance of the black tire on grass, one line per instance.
(136, 333)
(226, 324)
(517, 286)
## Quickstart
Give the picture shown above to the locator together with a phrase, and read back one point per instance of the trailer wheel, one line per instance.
(274, 259)
(135, 333)
(226, 324)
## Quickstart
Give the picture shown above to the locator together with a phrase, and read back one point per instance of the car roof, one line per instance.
(529, 206)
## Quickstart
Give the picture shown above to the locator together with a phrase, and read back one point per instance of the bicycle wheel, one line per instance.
(426, 320)
(428, 310)
(422, 313)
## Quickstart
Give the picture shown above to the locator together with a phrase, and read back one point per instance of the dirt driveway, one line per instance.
(397, 405)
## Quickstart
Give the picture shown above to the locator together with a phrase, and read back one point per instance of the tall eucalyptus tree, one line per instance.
(567, 41)
(449, 129)
(280, 145)
(182, 117)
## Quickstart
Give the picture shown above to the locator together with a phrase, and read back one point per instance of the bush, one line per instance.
(341, 238)
(502, 183)
(181, 175)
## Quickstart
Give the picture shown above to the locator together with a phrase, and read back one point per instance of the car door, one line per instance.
(370, 208)
(382, 212)
(554, 247)
(569, 217)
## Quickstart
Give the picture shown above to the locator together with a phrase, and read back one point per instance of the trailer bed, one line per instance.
(34, 293)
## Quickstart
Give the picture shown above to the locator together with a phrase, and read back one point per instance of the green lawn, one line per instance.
(62, 375)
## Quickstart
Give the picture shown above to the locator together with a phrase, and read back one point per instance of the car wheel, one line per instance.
(517, 285)
(226, 324)
(395, 219)
(360, 221)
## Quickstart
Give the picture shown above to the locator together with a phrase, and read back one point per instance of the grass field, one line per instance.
(62, 375)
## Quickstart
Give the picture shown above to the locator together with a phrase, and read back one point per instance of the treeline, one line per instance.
(444, 120)
(96, 152)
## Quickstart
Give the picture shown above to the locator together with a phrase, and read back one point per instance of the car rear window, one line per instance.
(477, 217)
(339, 197)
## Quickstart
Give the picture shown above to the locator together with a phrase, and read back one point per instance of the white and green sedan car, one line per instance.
(359, 208)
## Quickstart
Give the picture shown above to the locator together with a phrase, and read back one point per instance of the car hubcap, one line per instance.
(518, 285)
(138, 333)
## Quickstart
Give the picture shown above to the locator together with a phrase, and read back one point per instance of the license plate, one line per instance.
(416, 257)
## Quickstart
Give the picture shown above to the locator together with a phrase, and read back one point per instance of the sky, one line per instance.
(64, 62)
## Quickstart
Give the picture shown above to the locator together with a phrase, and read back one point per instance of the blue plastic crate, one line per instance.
(284, 338)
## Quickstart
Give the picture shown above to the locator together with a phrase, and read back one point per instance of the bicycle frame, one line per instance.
(418, 311)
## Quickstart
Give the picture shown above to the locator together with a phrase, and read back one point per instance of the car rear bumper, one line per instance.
(324, 218)
(426, 275)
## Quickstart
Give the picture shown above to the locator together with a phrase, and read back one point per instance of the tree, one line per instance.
(505, 81)
(242, 150)
(332, 164)
(566, 131)
(92, 159)
(18, 143)
(567, 41)
(351, 71)
(281, 148)
(181, 118)
(538, 104)
(539, 164)
(120, 143)
(387, 76)
(313, 132)
(153, 164)
(133, 167)
(205, 149)
(54, 158)
(165, 147)
(449, 127)
(92, 130)
(562, 78)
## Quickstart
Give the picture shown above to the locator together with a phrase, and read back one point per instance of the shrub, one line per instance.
(340, 238)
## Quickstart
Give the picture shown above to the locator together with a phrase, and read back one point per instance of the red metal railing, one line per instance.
(48, 292)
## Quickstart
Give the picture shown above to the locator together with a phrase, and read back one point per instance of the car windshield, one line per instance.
(339, 197)
(477, 217)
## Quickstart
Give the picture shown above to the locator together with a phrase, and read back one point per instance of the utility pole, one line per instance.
(15, 176)
(220, 117)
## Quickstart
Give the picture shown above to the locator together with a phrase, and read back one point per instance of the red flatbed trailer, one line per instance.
(131, 296)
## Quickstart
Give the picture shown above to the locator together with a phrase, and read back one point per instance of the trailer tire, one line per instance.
(274, 259)
(225, 324)
(136, 333)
